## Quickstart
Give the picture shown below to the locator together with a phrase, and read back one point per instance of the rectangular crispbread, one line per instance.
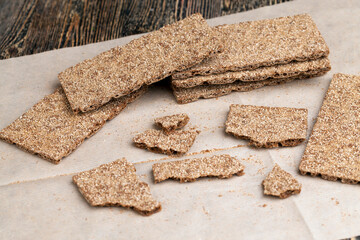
(259, 74)
(187, 95)
(221, 166)
(333, 150)
(116, 184)
(52, 131)
(267, 126)
(250, 45)
(175, 143)
(143, 61)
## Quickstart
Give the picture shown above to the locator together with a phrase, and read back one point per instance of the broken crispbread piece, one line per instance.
(250, 45)
(52, 131)
(143, 61)
(333, 148)
(280, 183)
(172, 122)
(176, 143)
(187, 95)
(289, 70)
(221, 166)
(267, 127)
(116, 184)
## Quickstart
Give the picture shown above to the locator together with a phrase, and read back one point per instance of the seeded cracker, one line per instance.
(176, 143)
(267, 126)
(187, 95)
(116, 184)
(250, 45)
(143, 61)
(173, 122)
(280, 183)
(263, 73)
(52, 131)
(333, 150)
(221, 166)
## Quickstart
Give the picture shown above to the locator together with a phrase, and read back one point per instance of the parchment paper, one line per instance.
(39, 200)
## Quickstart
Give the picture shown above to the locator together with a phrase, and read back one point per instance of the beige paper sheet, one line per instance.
(39, 200)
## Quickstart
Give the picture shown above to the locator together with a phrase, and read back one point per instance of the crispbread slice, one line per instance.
(280, 183)
(333, 150)
(143, 61)
(267, 126)
(175, 143)
(249, 45)
(116, 184)
(187, 95)
(52, 131)
(172, 122)
(263, 73)
(221, 166)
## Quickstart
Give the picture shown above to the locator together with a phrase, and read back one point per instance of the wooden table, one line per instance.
(34, 26)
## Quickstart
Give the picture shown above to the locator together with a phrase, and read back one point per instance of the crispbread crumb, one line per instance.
(267, 126)
(173, 122)
(175, 143)
(280, 183)
(116, 184)
(221, 166)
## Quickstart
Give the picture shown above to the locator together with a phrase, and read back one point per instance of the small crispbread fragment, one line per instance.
(267, 127)
(187, 95)
(172, 122)
(221, 166)
(250, 45)
(143, 61)
(52, 131)
(175, 143)
(289, 70)
(280, 183)
(333, 149)
(116, 184)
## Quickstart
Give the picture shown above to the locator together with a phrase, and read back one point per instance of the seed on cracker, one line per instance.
(221, 166)
(172, 122)
(143, 61)
(52, 131)
(267, 127)
(280, 183)
(116, 184)
(187, 95)
(333, 149)
(250, 45)
(175, 143)
(289, 70)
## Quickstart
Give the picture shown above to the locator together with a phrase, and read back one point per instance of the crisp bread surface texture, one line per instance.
(116, 184)
(280, 183)
(221, 166)
(249, 45)
(187, 95)
(172, 122)
(52, 131)
(267, 126)
(175, 143)
(143, 61)
(263, 73)
(333, 149)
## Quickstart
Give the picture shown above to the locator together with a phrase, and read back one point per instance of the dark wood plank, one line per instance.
(33, 26)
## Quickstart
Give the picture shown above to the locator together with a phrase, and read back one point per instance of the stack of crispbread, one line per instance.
(256, 54)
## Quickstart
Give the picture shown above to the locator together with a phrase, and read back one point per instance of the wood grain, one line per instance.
(33, 26)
